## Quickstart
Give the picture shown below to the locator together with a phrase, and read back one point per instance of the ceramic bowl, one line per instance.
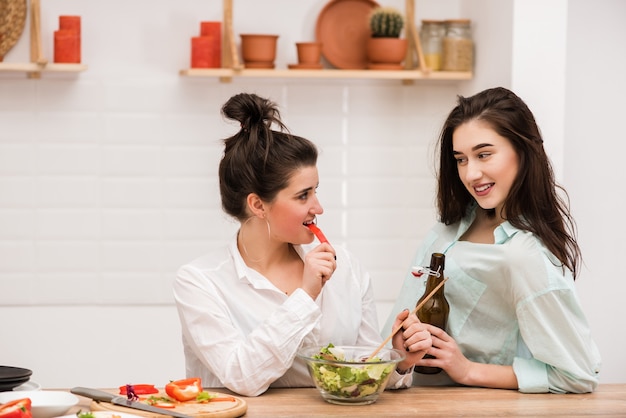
(44, 403)
(30, 385)
(344, 378)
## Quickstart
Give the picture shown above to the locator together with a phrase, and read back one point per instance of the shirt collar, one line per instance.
(504, 232)
(501, 234)
(243, 271)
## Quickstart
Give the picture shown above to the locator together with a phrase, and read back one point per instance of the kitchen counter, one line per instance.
(608, 401)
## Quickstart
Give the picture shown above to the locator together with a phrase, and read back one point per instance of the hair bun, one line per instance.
(251, 111)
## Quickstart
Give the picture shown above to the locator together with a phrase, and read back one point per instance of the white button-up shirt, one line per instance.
(243, 333)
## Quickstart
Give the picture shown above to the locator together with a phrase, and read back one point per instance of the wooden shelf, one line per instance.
(39, 64)
(32, 67)
(232, 67)
(226, 74)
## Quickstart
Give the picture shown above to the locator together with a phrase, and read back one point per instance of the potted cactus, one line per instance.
(385, 49)
(386, 22)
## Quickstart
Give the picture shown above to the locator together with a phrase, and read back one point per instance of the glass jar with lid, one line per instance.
(431, 35)
(458, 46)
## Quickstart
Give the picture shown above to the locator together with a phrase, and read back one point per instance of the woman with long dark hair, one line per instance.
(505, 228)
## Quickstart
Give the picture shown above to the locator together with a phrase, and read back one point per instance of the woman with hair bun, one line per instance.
(247, 308)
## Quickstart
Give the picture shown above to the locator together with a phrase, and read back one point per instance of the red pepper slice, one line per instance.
(141, 389)
(318, 232)
(163, 404)
(19, 408)
(185, 389)
(160, 401)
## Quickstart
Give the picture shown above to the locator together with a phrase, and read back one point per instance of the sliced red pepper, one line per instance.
(318, 232)
(19, 408)
(164, 404)
(160, 401)
(141, 389)
(185, 389)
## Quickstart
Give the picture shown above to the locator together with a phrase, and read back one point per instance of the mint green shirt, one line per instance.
(511, 303)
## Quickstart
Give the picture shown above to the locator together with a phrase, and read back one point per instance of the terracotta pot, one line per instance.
(309, 52)
(258, 51)
(386, 53)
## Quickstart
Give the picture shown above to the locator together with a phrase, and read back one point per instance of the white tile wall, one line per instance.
(108, 177)
(106, 193)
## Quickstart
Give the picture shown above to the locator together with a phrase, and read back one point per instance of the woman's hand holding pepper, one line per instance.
(319, 266)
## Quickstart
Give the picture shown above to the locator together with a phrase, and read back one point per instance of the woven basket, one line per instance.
(12, 22)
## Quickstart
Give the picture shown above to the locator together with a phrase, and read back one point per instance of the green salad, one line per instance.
(349, 381)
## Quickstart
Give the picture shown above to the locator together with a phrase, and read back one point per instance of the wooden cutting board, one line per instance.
(220, 409)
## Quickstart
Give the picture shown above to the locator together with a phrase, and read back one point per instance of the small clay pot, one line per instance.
(258, 50)
(309, 52)
(388, 51)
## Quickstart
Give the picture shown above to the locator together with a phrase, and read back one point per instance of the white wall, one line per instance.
(594, 169)
(578, 105)
(108, 178)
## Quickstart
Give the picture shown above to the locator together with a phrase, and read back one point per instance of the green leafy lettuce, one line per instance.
(348, 381)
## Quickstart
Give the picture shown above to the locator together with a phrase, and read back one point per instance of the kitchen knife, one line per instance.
(101, 396)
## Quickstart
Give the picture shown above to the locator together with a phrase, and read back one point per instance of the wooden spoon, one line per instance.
(417, 308)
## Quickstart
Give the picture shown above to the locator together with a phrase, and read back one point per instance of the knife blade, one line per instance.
(101, 396)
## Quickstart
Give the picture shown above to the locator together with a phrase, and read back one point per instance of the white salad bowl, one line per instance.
(342, 375)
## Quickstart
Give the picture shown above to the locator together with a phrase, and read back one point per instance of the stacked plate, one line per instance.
(11, 377)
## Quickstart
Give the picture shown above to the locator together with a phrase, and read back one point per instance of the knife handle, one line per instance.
(96, 395)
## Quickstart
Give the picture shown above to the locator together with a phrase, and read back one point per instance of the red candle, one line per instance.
(210, 28)
(213, 30)
(71, 23)
(66, 47)
(201, 50)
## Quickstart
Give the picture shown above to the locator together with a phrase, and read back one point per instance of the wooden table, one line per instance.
(608, 401)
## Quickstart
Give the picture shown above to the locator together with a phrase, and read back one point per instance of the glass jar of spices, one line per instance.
(458, 46)
(432, 34)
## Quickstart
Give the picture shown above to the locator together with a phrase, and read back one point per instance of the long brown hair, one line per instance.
(258, 159)
(533, 203)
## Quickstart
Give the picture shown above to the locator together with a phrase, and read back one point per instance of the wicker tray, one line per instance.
(12, 22)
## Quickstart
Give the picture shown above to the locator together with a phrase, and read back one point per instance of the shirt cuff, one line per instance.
(407, 371)
(532, 375)
(400, 381)
(300, 304)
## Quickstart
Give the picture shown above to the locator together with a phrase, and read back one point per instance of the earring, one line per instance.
(243, 244)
